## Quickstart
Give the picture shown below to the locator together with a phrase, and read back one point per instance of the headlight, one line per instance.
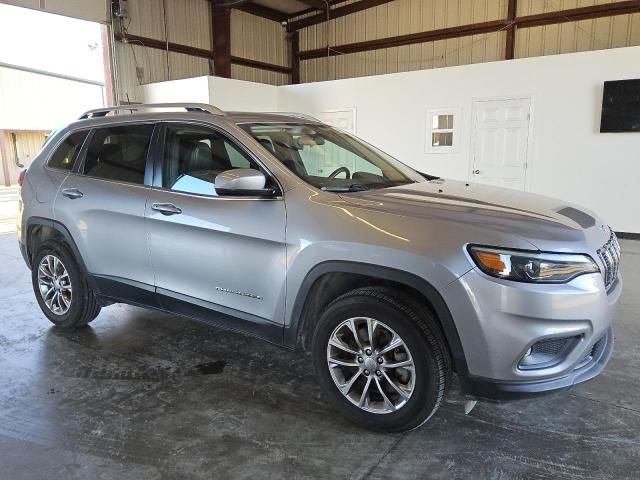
(532, 267)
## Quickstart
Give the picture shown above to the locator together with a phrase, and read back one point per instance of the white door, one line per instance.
(344, 119)
(501, 137)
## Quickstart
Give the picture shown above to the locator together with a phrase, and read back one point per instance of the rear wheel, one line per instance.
(61, 290)
(382, 359)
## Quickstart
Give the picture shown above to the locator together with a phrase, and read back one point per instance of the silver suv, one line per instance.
(284, 228)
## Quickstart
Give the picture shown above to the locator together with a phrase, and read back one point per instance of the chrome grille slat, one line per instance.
(610, 256)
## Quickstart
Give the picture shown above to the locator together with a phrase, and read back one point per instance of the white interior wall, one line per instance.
(225, 93)
(191, 90)
(568, 158)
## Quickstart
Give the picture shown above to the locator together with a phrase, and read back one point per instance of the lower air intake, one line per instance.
(546, 353)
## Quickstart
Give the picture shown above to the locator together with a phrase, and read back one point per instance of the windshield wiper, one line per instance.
(354, 187)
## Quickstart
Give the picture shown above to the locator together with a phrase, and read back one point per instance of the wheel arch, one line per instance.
(328, 280)
(40, 230)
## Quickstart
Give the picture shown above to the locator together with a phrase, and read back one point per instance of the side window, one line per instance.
(65, 156)
(119, 153)
(194, 156)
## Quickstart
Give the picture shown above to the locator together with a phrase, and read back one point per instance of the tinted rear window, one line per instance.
(67, 153)
(119, 153)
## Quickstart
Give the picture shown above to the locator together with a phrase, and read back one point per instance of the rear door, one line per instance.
(221, 253)
(102, 205)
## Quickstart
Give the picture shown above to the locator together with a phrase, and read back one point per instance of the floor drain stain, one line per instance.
(211, 368)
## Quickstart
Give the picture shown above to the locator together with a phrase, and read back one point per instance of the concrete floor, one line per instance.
(143, 395)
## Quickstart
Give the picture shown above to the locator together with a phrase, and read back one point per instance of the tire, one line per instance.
(74, 307)
(418, 392)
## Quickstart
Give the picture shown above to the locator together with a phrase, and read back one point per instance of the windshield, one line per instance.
(331, 159)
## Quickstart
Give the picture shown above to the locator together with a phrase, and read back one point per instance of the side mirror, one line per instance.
(243, 182)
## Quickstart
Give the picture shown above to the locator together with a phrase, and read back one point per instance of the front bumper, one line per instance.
(498, 321)
(593, 363)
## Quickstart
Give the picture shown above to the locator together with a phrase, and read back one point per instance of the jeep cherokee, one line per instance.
(287, 229)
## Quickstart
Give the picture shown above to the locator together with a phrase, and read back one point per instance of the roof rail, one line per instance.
(189, 107)
(302, 116)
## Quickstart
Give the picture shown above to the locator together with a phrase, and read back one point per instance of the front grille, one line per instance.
(610, 256)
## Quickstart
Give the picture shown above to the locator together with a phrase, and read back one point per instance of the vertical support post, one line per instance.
(4, 158)
(221, 41)
(294, 50)
(107, 66)
(509, 51)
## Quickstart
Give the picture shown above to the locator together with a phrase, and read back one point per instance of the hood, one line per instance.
(547, 223)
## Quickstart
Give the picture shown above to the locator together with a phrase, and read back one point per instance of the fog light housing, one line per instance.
(546, 353)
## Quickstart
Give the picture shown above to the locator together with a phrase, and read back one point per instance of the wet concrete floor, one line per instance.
(146, 395)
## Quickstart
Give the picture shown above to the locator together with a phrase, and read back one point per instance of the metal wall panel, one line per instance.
(145, 19)
(240, 72)
(533, 7)
(445, 53)
(27, 145)
(189, 22)
(585, 35)
(257, 38)
(399, 18)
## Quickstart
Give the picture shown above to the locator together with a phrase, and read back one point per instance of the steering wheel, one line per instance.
(338, 171)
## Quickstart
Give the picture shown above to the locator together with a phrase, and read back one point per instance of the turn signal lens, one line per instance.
(491, 261)
(532, 267)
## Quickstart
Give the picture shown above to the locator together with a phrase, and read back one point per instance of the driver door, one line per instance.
(208, 251)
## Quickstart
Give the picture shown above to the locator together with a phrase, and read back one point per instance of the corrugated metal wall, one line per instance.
(188, 22)
(410, 16)
(21, 145)
(399, 18)
(596, 34)
(257, 38)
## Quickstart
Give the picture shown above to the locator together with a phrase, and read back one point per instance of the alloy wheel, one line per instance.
(371, 365)
(54, 284)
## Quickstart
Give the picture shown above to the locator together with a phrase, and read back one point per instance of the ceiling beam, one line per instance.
(316, 4)
(262, 11)
(334, 13)
(313, 10)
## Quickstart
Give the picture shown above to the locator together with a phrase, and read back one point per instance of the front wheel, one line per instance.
(382, 359)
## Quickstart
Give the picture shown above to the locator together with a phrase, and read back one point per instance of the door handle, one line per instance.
(166, 208)
(476, 172)
(72, 193)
